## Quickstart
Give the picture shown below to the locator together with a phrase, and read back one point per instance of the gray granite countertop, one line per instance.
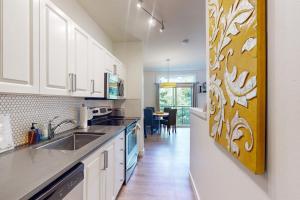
(26, 171)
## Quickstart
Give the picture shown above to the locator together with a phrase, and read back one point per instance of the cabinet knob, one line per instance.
(121, 149)
(121, 138)
(121, 163)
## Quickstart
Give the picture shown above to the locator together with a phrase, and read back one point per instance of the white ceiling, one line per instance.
(123, 22)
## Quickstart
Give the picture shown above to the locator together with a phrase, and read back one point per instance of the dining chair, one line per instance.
(172, 121)
(164, 122)
(152, 108)
(149, 121)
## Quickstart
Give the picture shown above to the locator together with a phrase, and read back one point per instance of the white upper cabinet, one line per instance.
(55, 45)
(97, 63)
(42, 51)
(80, 62)
(108, 63)
(19, 47)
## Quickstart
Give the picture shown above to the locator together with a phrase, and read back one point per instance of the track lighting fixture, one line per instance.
(152, 21)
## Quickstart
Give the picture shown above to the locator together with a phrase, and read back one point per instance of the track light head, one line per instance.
(139, 4)
(152, 21)
(162, 29)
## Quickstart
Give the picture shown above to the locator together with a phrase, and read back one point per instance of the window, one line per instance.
(176, 77)
(179, 98)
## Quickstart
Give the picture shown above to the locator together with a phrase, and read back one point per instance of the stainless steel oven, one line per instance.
(103, 116)
(114, 87)
(131, 150)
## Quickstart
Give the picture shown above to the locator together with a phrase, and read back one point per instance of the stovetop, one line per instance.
(112, 121)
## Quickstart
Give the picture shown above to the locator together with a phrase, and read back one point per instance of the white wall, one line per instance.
(150, 88)
(132, 55)
(217, 175)
(73, 9)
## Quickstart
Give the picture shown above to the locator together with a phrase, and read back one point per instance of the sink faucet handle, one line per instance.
(54, 118)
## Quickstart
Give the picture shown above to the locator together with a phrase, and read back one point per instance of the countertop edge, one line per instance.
(199, 113)
(28, 195)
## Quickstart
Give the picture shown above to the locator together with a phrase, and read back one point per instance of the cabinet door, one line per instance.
(95, 176)
(109, 63)
(97, 64)
(110, 171)
(19, 46)
(80, 66)
(119, 163)
(54, 52)
(92, 179)
(102, 178)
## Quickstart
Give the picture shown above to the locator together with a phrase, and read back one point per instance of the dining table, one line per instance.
(160, 116)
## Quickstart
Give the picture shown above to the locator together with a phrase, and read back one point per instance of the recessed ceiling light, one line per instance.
(185, 41)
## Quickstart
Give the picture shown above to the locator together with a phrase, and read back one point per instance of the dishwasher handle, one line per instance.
(63, 185)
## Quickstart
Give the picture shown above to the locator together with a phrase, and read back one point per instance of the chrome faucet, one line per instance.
(51, 128)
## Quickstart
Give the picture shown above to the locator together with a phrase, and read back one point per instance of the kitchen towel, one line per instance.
(6, 139)
(83, 116)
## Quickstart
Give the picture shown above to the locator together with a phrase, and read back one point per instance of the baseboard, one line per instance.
(194, 186)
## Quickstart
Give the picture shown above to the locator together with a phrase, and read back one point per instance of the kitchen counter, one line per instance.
(199, 112)
(26, 171)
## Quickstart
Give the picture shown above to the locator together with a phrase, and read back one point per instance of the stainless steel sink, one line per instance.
(72, 142)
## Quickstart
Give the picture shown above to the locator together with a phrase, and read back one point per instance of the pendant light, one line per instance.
(168, 84)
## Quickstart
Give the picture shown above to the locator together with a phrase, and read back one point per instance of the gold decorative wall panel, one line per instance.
(237, 79)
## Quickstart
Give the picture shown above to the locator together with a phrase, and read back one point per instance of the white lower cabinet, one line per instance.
(119, 163)
(103, 171)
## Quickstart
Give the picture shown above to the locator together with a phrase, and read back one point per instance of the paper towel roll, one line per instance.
(83, 116)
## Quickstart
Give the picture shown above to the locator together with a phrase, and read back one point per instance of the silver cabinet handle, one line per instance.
(70, 82)
(105, 160)
(93, 86)
(75, 82)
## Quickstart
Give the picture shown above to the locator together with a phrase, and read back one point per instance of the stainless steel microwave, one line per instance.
(114, 87)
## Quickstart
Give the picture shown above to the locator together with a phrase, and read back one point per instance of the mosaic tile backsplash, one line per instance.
(25, 109)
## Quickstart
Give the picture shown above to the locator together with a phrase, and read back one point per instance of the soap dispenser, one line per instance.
(32, 134)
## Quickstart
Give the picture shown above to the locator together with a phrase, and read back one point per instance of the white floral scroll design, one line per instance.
(238, 14)
(219, 119)
(249, 44)
(215, 11)
(234, 132)
(237, 88)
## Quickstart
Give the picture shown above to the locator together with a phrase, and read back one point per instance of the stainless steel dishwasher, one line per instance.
(69, 186)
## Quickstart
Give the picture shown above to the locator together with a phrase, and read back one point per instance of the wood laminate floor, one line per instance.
(163, 172)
